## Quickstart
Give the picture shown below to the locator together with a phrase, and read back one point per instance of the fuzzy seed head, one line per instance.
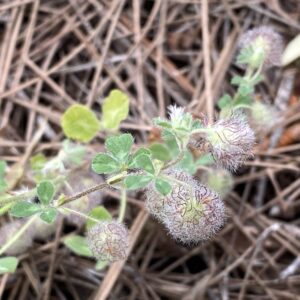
(191, 212)
(264, 39)
(109, 241)
(231, 141)
(197, 217)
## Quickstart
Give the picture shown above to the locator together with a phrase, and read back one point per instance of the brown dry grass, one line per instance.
(55, 53)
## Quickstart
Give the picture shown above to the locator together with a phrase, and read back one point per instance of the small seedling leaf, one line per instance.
(115, 109)
(80, 123)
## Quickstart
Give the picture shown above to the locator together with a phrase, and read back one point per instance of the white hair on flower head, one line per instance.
(175, 112)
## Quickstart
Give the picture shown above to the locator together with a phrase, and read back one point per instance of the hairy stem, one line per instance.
(75, 212)
(122, 205)
(17, 235)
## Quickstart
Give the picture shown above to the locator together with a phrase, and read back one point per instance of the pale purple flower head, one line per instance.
(109, 241)
(266, 38)
(231, 141)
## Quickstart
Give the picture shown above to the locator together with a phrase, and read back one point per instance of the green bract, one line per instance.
(80, 123)
(115, 109)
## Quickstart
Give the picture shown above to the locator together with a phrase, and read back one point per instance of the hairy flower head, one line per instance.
(191, 212)
(263, 116)
(266, 45)
(231, 141)
(197, 217)
(108, 241)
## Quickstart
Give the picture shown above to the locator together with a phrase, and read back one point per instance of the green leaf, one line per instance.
(133, 182)
(140, 151)
(237, 80)
(144, 162)
(101, 264)
(160, 152)
(100, 213)
(291, 52)
(78, 245)
(120, 146)
(49, 215)
(45, 192)
(225, 101)
(162, 186)
(80, 123)
(25, 209)
(115, 109)
(37, 162)
(8, 264)
(105, 164)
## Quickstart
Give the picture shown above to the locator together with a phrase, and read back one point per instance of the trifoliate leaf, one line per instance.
(100, 213)
(144, 162)
(105, 164)
(140, 151)
(162, 186)
(291, 52)
(25, 209)
(49, 215)
(8, 264)
(119, 146)
(45, 192)
(78, 245)
(160, 152)
(80, 123)
(115, 109)
(133, 182)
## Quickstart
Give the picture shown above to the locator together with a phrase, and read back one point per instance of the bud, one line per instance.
(8, 230)
(108, 241)
(263, 116)
(266, 45)
(191, 212)
(219, 180)
(231, 141)
(196, 217)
